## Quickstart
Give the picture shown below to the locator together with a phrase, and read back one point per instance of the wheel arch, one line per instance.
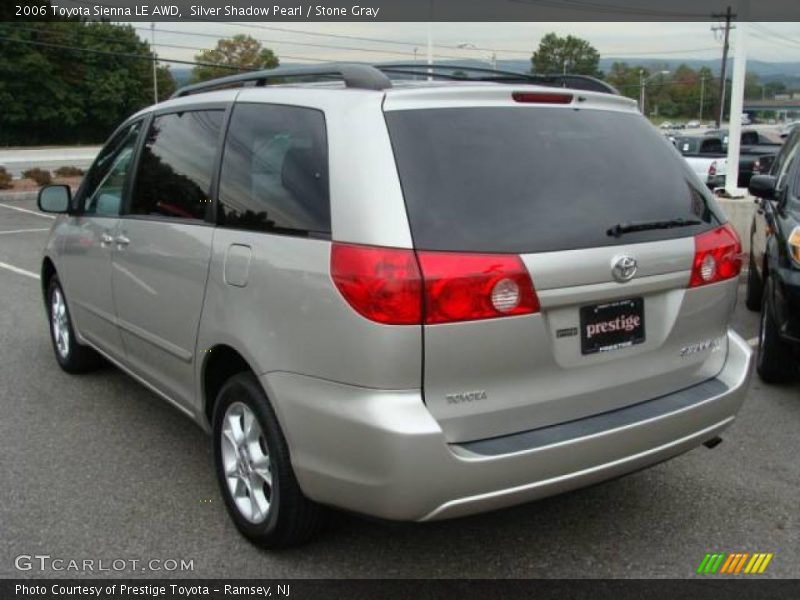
(220, 363)
(47, 271)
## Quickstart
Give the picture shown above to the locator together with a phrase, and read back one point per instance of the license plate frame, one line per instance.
(611, 326)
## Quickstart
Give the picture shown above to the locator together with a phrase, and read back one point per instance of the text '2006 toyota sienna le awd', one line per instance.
(406, 298)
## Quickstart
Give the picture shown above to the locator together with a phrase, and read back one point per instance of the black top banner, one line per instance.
(400, 10)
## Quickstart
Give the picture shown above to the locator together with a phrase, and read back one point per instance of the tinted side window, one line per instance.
(711, 147)
(100, 175)
(174, 177)
(786, 160)
(275, 170)
(794, 186)
(749, 138)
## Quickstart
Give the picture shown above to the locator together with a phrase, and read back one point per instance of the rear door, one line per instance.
(558, 187)
(163, 248)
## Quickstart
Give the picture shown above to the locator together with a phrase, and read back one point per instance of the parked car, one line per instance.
(706, 157)
(787, 129)
(773, 279)
(396, 297)
(693, 124)
(667, 125)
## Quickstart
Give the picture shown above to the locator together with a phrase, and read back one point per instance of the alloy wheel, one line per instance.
(246, 461)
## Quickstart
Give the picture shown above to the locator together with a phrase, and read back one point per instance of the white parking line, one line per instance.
(27, 210)
(14, 269)
(22, 231)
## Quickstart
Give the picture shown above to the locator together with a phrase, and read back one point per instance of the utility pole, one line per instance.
(702, 97)
(641, 91)
(728, 15)
(155, 79)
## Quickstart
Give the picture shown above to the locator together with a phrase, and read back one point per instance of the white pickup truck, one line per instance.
(706, 157)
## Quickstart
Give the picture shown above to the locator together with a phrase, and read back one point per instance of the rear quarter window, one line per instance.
(536, 179)
(275, 171)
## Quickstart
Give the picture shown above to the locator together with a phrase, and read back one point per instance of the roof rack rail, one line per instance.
(354, 75)
(580, 82)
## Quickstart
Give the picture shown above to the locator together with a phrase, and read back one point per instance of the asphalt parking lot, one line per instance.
(97, 467)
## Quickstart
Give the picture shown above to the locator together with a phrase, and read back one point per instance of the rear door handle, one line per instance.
(121, 240)
(105, 239)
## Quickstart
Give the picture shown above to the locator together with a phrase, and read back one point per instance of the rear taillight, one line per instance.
(381, 284)
(712, 169)
(756, 167)
(717, 256)
(398, 287)
(466, 287)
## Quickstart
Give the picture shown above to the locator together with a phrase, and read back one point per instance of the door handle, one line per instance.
(105, 239)
(121, 240)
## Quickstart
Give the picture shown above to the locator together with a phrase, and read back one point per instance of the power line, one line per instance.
(373, 40)
(117, 40)
(148, 58)
(308, 44)
(792, 43)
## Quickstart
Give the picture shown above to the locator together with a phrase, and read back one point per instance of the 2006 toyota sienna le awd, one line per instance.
(410, 299)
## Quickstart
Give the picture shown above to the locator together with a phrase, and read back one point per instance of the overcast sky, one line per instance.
(308, 42)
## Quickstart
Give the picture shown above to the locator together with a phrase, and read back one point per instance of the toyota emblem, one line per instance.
(623, 268)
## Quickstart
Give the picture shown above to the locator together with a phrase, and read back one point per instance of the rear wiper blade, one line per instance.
(623, 228)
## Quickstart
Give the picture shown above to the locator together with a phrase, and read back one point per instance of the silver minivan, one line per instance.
(407, 297)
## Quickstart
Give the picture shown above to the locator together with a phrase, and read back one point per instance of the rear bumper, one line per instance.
(381, 453)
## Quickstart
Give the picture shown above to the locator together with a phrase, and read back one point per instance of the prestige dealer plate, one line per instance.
(612, 325)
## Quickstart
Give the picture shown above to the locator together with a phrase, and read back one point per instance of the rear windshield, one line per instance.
(525, 179)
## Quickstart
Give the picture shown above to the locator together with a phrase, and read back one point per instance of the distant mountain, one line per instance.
(181, 74)
(767, 71)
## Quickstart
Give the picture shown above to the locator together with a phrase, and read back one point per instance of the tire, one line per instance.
(274, 514)
(755, 287)
(72, 356)
(776, 359)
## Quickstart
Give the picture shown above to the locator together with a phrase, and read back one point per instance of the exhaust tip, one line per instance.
(713, 442)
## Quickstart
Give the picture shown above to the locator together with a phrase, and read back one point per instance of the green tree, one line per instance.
(752, 87)
(166, 82)
(241, 52)
(568, 54)
(775, 87)
(70, 81)
(626, 79)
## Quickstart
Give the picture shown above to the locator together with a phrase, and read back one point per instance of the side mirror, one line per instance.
(54, 198)
(763, 186)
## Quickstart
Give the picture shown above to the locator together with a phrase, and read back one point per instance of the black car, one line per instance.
(773, 282)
